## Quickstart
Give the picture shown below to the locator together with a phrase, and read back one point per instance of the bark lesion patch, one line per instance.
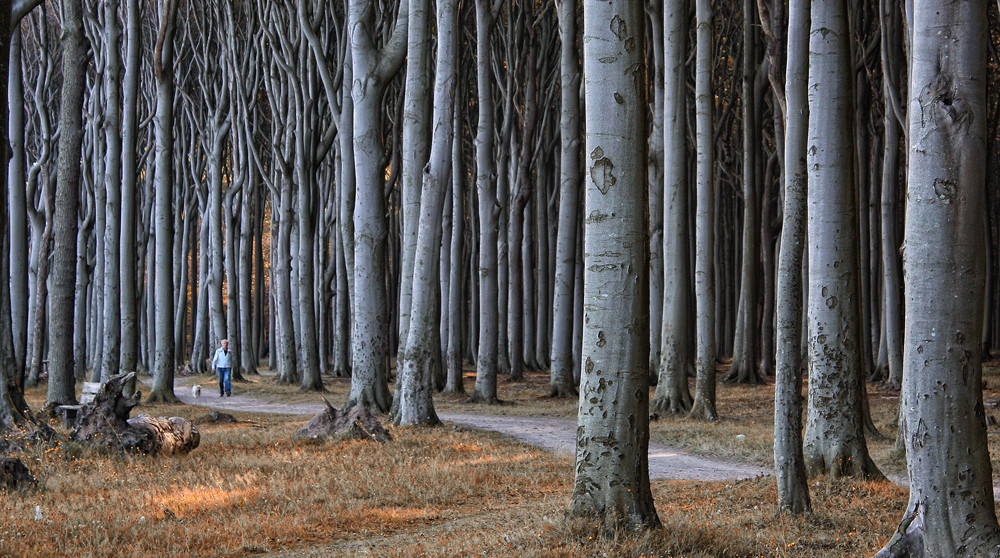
(619, 28)
(602, 171)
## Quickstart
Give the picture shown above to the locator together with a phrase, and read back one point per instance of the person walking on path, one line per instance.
(222, 363)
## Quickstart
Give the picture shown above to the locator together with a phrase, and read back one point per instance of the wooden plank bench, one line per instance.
(70, 413)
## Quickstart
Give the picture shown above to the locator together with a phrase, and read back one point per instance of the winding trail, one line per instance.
(555, 435)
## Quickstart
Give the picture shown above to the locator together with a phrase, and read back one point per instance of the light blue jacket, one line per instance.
(222, 359)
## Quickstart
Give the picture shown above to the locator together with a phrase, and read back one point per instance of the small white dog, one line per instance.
(196, 390)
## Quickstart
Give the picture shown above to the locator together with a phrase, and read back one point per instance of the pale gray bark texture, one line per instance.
(163, 353)
(415, 131)
(487, 359)
(17, 205)
(835, 439)
(789, 462)
(13, 409)
(562, 384)
(657, 160)
(422, 353)
(128, 301)
(704, 273)
(372, 69)
(454, 381)
(893, 64)
(111, 327)
(951, 508)
(612, 471)
(676, 357)
(744, 368)
(61, 373)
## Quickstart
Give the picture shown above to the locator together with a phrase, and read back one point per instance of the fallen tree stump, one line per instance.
(13, 473)
(105, 423)
(169, 436)
(357, 423)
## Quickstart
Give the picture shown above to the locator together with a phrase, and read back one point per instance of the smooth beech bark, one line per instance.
(835, 438)
(704, 272)
(372, 68)
(487, 359)
(676, 357)
(789, 462)
(570, 169)
(61, 325)
(612, 471)
(163, 282)
(745, 362)
(951, 509)
(422, 353)
(111, 346)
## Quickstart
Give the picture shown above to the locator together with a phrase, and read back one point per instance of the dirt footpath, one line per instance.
(555, 435)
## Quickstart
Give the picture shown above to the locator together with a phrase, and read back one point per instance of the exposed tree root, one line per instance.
(703, 410)
(674, 404)
(161, 396)
(740, 374)
(563, 391)
(477, 397)
(908, 540)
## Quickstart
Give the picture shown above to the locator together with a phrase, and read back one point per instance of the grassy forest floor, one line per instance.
(249, 489)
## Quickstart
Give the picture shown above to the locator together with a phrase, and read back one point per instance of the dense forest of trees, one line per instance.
(617, 193)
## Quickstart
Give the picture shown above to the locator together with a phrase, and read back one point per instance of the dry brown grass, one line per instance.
(700, 520)
(249, 489)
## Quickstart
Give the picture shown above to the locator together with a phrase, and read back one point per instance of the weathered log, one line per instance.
(105, 423)
(357, 423)
(169, 436)
(13, 473)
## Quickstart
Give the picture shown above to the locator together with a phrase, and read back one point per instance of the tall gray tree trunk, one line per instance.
(835, 439)
(422, 353)
(951, 508)
(612, 471)
(163, 287)
(676, 357)
(41, 292)
(232, 278)
(129, 325)
(893, 65)
(18, 206)
(657, 160)
(519, 198)
(454, 381)
(704, 273)
(789, 462)
(13, 409)
(281, 264)
(199, 344)
(82, 291)
(487, 358)
(214, 155)
(61, 373)
(415, 130)
(372, 69)
(745, 362)
(111, 345)
(308, 362)
(251, 192)
(345, 228)
(570, 176)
